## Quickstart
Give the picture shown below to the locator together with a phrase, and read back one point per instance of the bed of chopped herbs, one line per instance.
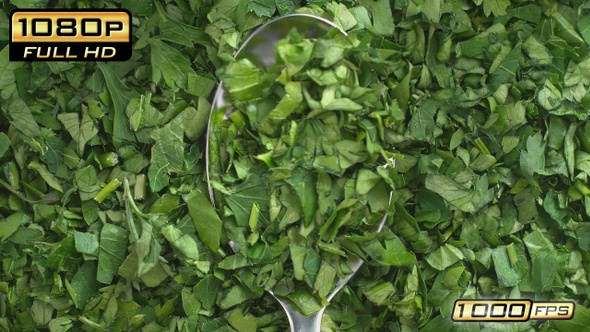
(102, 192)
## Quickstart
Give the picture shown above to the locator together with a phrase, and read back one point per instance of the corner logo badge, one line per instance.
(510, 310)
(70, 35)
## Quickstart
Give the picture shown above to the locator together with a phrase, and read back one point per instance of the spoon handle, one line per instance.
(301, 323)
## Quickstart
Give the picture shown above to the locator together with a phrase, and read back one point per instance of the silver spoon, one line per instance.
(259, 48)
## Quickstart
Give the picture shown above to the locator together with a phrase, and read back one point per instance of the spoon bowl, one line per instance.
(259, 48)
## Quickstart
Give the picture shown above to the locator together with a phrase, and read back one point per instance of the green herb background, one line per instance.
(492, 191)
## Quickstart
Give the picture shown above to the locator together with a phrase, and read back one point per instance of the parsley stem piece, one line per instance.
(129, 199)
(14, 191)
(481, 146)
(31, 191)
(574, 193)
(238, 119)
(140, 187)
(108, 159)
(254, 213)
(109, 188)
(582, 188)
(92, 323)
